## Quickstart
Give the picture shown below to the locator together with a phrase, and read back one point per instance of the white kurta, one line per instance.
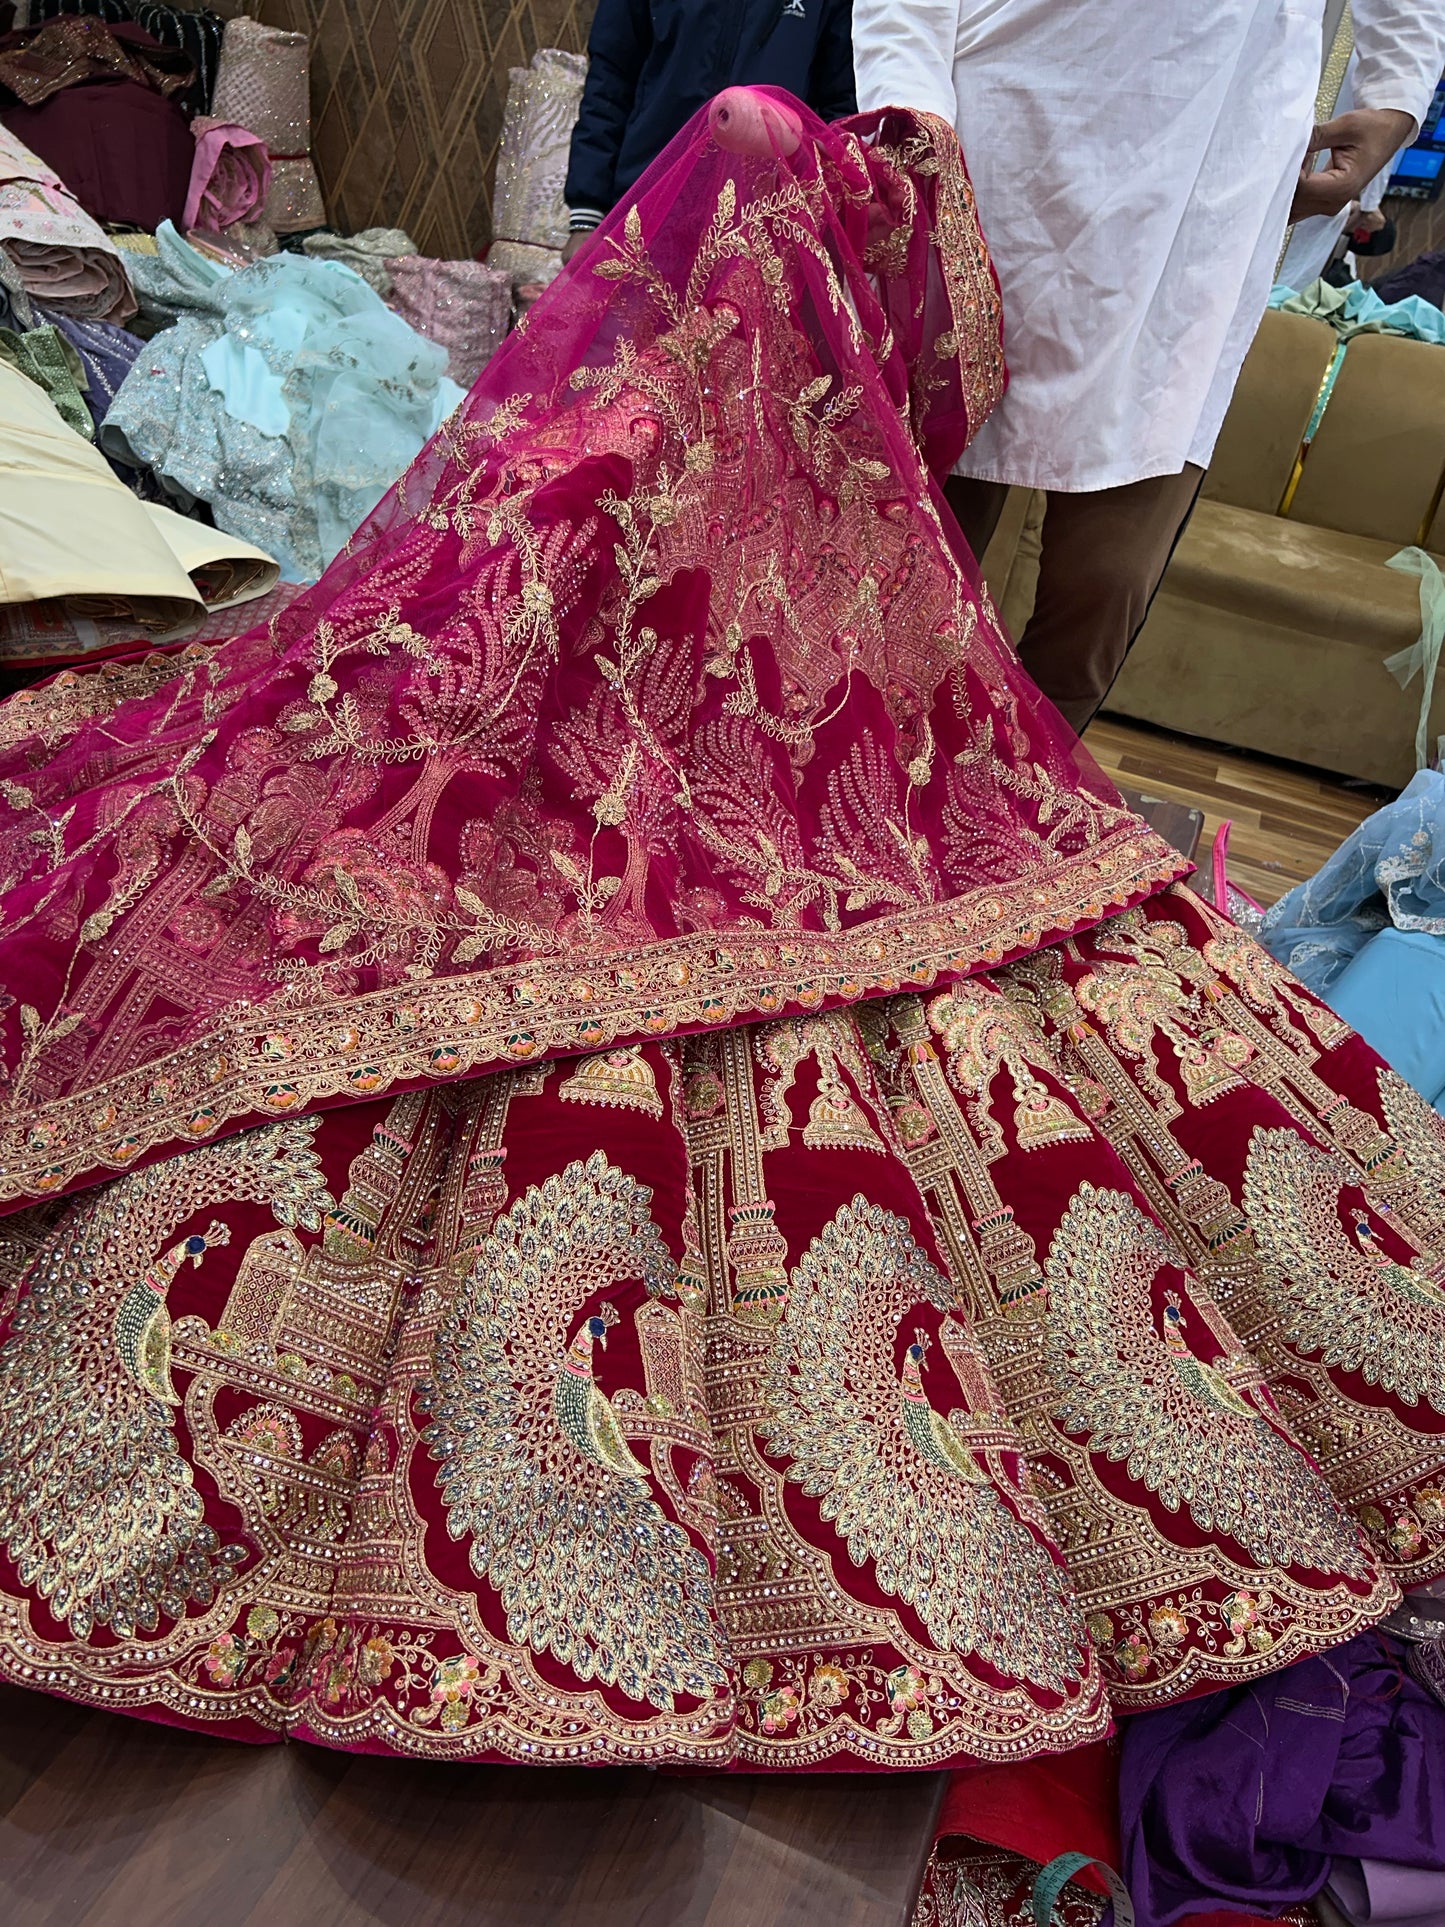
(1134, 162)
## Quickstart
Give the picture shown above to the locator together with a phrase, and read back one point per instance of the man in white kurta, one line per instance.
(1135, 163)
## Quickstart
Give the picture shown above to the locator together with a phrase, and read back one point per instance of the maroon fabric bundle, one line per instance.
(104, 113)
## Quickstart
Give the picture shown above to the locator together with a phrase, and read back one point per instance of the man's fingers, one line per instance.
(1326, 192)
(1325, 132)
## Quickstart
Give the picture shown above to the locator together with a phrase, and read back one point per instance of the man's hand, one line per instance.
(1358, 144)
(576, 241)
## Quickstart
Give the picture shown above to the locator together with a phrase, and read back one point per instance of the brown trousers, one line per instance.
(1103, 556)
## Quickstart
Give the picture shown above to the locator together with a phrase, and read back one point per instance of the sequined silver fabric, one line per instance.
(542, 105)
(358, 392)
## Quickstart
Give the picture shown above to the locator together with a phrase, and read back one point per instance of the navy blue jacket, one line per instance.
(655, 62)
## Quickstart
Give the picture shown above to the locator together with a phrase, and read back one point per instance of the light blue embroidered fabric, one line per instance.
(1390, 872)
(286, 395)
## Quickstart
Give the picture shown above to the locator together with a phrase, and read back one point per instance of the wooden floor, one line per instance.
(109, 1822)
(1287, 820)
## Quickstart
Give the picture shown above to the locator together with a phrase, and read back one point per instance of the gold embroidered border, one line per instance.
(279, 1061)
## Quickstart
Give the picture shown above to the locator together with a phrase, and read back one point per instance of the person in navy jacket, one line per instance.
(655, 62)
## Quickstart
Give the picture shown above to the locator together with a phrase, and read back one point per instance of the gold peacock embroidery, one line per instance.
(98, 1506)
(1200, 1432)
(899, 1479)
(1339, 1291)
(536, 1473)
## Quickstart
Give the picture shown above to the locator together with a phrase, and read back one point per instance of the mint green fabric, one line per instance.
(1358, 310)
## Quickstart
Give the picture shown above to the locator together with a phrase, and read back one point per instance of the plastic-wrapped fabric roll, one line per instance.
(542, 105)
(264, 84)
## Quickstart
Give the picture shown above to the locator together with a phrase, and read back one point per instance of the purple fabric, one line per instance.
(1425, 276)
(1241, 1799)
(107, 351)
(1374, 1893)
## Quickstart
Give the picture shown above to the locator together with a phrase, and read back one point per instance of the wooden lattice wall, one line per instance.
(407, 99)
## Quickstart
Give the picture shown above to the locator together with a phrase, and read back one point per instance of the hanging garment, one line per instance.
(264, 83)
(1134, 169)
(463, 306)
(62, 257)
(617, 1148)
(288, 398)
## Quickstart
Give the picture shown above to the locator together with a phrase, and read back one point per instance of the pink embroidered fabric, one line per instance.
(463, 306)
(659, 695)
(64, 258)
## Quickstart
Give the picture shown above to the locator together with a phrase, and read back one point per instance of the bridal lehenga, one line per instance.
(618, 1151)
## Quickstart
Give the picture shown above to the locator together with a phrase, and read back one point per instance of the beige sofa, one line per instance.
(1270, 630)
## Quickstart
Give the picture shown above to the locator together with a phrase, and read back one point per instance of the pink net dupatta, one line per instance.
(658, 696)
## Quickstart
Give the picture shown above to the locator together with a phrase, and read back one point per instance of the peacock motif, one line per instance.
(1340, 1293)
(1187, 1427)
(857, 1432)
(143, 1322)
(97, 1506)
(532, 1463)
(942, 1441)
(583, 1411)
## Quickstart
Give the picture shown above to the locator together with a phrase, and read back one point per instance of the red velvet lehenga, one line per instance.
(617, 1150)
